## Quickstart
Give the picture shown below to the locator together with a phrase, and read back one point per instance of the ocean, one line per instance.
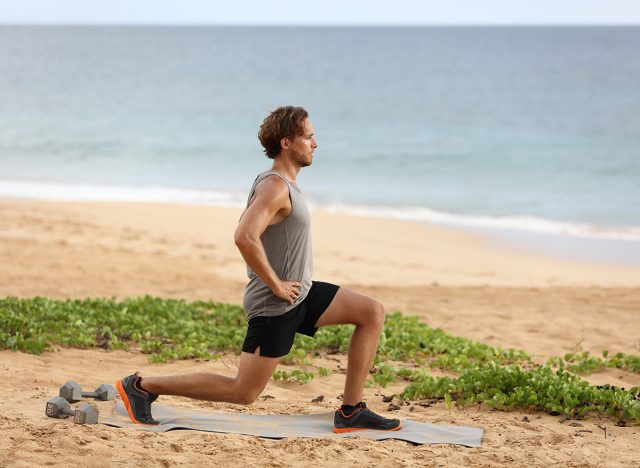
(519, 129)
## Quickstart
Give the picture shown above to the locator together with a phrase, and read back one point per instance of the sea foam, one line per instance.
(86, 192)
(514, 222)
(158, 194)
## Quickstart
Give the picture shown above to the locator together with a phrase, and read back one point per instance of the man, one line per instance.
(280, 300)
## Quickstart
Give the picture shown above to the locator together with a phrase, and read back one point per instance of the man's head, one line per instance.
(282, 128)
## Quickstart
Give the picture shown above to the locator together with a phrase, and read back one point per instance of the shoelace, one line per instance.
(368, 412)
(371, 414)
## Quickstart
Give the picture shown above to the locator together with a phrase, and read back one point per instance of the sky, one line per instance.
(322, 12)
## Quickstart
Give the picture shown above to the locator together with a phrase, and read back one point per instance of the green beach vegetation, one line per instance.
(476, 373)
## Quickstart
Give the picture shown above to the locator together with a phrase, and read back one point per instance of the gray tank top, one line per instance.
(288, 248)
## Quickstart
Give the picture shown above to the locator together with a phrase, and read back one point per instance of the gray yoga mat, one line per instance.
(279, 426)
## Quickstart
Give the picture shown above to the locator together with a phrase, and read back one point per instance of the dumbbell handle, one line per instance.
(89, 394)
(51, 410)
(77, 415)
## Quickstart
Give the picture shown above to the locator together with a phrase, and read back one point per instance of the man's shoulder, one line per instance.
(272, 182)
(273, 188)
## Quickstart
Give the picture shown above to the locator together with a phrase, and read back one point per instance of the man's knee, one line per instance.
(378, 314)
(374, 317)
(246, 391)
(247, 396)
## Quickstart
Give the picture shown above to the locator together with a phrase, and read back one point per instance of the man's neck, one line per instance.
(286, 168)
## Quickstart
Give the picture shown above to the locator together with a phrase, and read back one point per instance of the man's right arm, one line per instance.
(271, 197)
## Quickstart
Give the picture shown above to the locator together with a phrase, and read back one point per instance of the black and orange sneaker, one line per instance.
(362, 419)
(136, 400)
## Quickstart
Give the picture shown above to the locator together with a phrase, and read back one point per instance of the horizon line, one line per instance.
(314, 25)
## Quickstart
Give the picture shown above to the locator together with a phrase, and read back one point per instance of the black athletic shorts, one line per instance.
(275, 335)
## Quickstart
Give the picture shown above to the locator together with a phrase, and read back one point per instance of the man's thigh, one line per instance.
(255, 370)
(349, 306)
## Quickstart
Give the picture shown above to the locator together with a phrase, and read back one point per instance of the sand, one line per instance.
(458, 281)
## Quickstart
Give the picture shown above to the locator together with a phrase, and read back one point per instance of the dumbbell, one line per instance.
(72, 392)
(60, 408)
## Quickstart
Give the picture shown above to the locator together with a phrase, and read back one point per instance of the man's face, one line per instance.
(302, 146)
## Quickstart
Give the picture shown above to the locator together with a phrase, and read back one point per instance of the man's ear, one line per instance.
(284, 143)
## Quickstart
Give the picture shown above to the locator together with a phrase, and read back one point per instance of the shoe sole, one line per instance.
(342, 430)
(127, 405)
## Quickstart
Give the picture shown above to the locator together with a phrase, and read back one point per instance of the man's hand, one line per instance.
(287, 290)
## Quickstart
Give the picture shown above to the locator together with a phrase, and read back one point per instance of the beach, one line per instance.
(458, 281)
